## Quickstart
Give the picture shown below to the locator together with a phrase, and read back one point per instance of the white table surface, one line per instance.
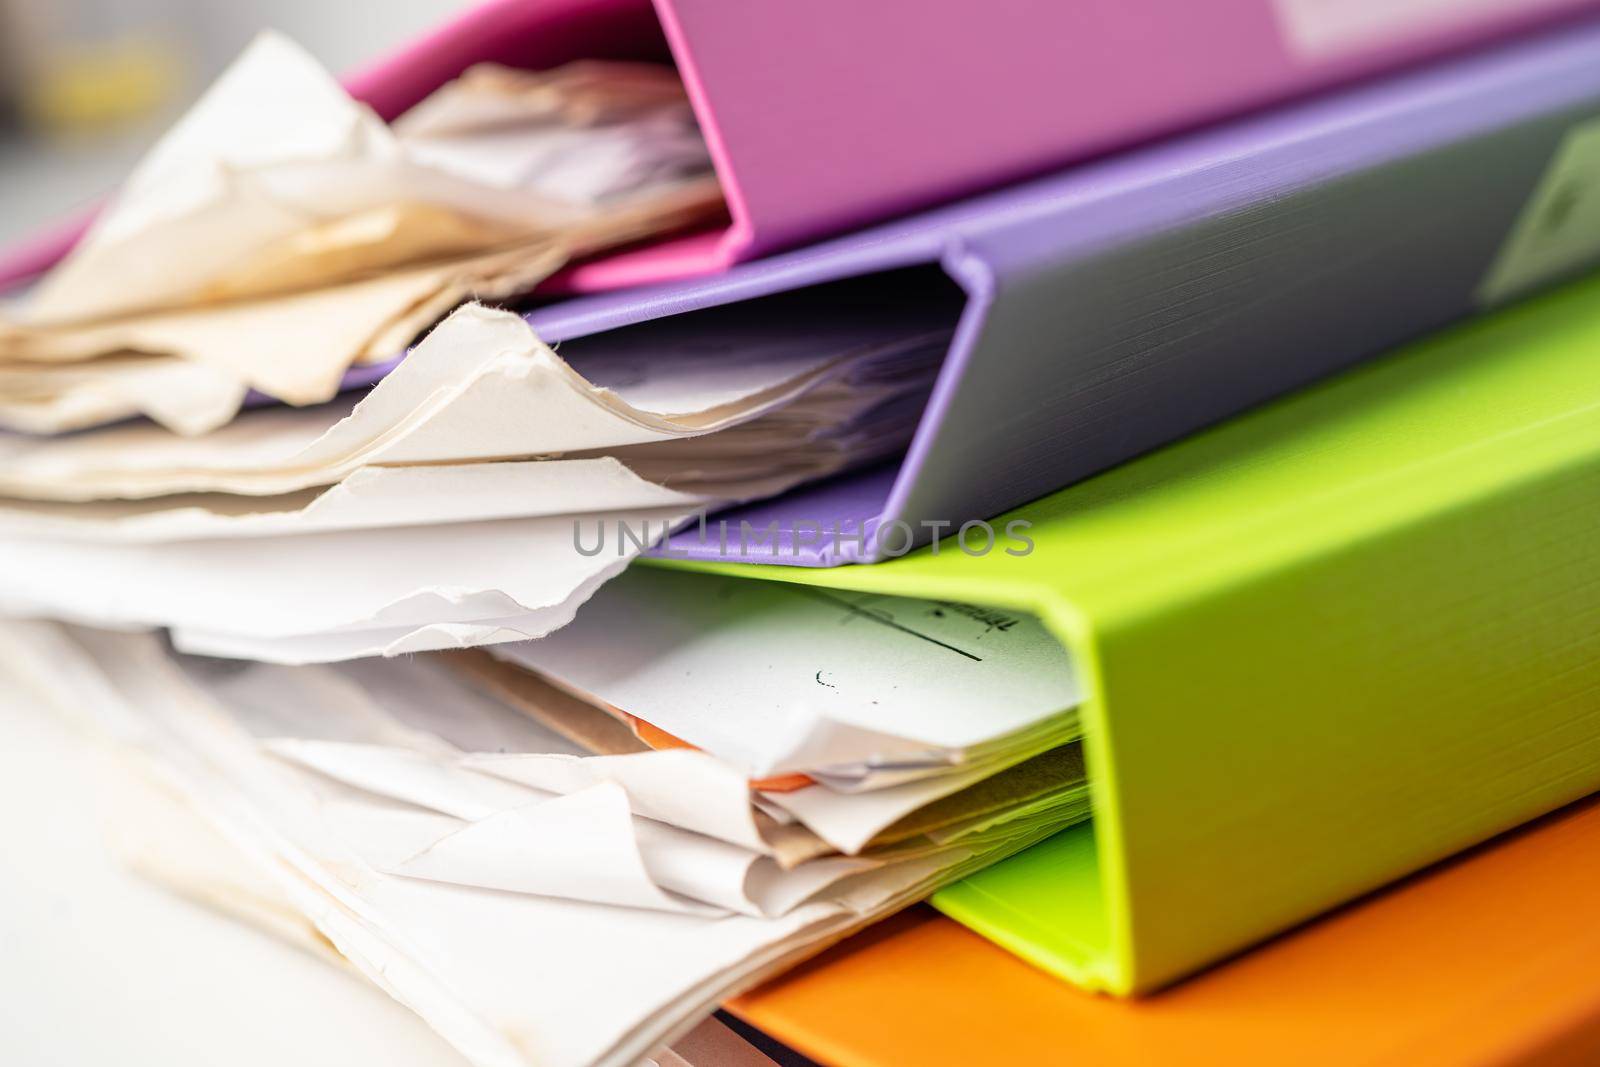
(100, 967)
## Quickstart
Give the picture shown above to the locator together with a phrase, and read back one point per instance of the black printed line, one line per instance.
(840, 602)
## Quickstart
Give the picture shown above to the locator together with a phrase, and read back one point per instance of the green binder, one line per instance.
(1326, 643)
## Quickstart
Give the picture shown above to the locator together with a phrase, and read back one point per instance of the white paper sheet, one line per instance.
(581, 847)
(368, 498)
(401, 582)
(775, 677)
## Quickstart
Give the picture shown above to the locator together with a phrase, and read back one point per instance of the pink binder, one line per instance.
(825, 115)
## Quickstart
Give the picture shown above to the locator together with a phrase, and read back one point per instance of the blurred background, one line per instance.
(87, 85)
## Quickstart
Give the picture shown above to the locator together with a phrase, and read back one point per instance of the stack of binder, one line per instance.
(1488, 959)
(612, 502)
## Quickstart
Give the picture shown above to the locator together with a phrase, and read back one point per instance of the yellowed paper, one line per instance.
(281, 233)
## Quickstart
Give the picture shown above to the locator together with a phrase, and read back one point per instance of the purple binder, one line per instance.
(1120, 306)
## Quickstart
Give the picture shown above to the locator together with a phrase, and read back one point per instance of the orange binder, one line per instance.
(1490, 959)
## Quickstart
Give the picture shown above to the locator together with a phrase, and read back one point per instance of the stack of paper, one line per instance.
(486, 485)
(281, 233)
(479, 493)
(777, 679)
(437, 820)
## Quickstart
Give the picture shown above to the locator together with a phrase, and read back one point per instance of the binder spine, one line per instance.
(1295, 733)
(1177, 287)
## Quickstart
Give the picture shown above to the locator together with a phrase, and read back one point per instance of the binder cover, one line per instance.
(1493, 959)
(1124, 304)
(1324, 645)
(830, 114)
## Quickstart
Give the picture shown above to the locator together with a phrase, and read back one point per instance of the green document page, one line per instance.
(1324, 644)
